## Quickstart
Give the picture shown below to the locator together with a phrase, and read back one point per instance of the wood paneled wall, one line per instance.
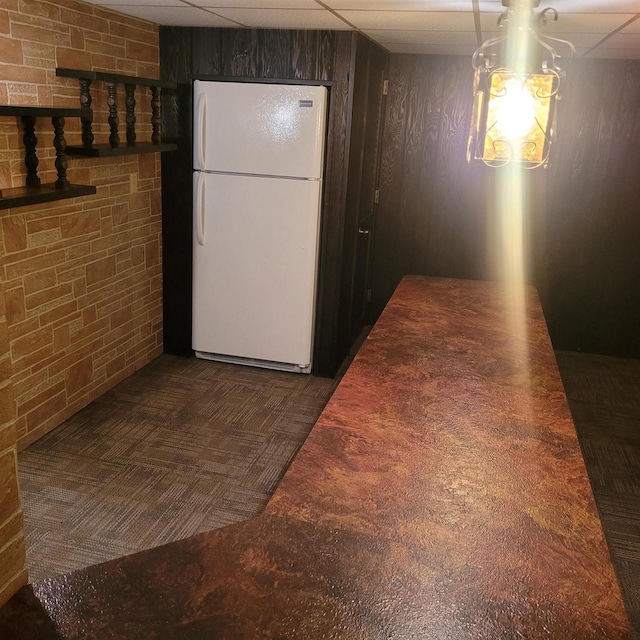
(591, 288)
(177, 197)
(283, 54)
(370, 70)
(431, 216)
(437, 214)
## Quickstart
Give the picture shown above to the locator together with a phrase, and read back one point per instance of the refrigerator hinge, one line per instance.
(385, 87)
(376, 196)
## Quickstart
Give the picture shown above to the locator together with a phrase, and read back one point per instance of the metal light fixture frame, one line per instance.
(487, 63)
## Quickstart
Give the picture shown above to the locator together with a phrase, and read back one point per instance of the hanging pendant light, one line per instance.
(516, 87)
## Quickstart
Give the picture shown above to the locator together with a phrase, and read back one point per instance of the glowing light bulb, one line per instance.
(517, 116)
(515, 112)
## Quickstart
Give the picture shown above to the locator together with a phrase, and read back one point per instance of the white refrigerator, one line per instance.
(258, 159)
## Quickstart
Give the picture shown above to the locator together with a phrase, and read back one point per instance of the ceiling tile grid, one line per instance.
(598, 28)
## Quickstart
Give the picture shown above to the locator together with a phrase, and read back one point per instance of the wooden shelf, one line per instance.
(34, 192)
(42, 112)
(117, 78)
(106, 150)
(23, 196)
(117, 147)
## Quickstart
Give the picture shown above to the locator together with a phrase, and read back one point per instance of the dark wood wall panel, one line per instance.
(431, 217)
(175, 64)
(264, 53)
(437, 215)
(358, 111)
(327, 350)
(370, 70)
(592, 292)
(206, 51)
(377, 73)
(282, 54)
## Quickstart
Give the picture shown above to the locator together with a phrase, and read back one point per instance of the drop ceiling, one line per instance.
(598, 28)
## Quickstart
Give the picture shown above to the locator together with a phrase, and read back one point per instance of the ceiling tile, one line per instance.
(388, 36)
(183, 16)
(634, 27)
(587, 23)
(283, 18)
(426, 49)
(405, 26)
(143, 3)
(432, 20)
(579, 40)
(491, 6)
(593, 6)
(415, 5)
(632, 54)
(258, 4)
(401, 5)
(622, 41)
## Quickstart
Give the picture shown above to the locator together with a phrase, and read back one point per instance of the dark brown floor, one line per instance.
(604, 396)
(186, 446)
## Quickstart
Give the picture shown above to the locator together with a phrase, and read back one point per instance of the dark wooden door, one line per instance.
(368, 188)
(364, 154)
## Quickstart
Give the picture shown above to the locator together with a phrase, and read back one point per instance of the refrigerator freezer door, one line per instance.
(254, 267)
(260, 129)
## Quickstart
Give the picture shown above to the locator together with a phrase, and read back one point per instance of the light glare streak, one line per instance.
(511, 210)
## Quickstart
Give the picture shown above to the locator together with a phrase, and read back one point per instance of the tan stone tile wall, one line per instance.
(82, 276)
(12, 561)
(80, 279)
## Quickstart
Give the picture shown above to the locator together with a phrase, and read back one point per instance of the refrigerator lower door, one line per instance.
(254, 269)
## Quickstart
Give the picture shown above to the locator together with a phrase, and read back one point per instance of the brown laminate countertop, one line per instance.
(441, 495)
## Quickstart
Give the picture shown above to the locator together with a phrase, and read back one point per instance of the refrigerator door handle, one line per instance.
(201, 123)
(198, 198)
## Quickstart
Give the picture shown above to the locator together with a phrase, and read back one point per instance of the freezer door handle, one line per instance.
(198, 199)
(201, 126)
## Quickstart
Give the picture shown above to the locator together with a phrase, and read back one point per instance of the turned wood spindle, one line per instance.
(60, 145)
(155, 115)
(85, 101)
(130, 104)
(114, 138)
(30, 155)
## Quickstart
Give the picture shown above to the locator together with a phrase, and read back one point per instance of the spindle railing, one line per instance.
(35, 191)
(115, 147)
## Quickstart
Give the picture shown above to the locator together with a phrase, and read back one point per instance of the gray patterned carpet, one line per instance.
(185, 446)
(181, 447)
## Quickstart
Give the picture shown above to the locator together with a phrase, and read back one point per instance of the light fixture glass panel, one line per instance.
(518, 116)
